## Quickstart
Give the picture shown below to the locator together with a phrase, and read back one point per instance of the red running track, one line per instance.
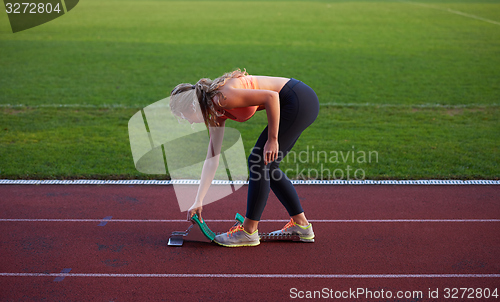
(383, 239)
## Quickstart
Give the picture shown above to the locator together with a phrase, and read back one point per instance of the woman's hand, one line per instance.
(196, 208)
(271, 149)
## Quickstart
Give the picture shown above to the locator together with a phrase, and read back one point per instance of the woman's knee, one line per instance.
(256, 166)
(255, 157)
(275, 172)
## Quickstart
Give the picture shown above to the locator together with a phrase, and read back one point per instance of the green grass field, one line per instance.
(416, 82)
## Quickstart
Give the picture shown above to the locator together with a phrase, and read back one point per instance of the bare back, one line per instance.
(263, 82)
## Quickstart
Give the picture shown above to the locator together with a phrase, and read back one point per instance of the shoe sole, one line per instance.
(237, 245)
(307, 239)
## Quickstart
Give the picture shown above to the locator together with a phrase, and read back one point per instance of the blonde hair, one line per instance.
(184, 96)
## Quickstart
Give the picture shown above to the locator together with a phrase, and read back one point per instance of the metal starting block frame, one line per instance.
(197, 231)
(269, 237)
(200, 232)
(193, 233)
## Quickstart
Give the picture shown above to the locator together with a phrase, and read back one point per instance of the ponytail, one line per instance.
(204, 90)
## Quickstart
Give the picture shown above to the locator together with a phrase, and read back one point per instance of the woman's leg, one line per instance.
(299, 107)
(264, 177)
(302, 100)
(259, 181)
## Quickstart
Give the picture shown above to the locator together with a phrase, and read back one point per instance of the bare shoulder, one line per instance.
(232, 83)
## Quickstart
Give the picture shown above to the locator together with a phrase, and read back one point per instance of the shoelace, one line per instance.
(235, 229)
(288, 225)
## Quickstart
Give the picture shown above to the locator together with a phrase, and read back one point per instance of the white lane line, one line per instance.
(264, 220)
(100, 220)
(324, 276)
(105, 221)
(62, 275)
(449, 10)
(226, 182)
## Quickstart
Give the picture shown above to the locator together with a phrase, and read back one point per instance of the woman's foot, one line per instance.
(305, 233)
(237, 236)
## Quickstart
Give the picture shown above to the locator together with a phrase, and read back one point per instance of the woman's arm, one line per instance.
(209, 168)
(236, 98)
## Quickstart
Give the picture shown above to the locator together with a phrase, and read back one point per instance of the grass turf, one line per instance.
(383, 66)
(404, 143)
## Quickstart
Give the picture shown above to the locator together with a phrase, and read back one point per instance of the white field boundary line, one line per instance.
(452, 11)
(427, 105)
(264, 220)
(120, 106)
(275, 276)
(138, 107)
(226, 182)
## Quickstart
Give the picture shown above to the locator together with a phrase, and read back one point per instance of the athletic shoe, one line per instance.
(305, 233)
(237, 236)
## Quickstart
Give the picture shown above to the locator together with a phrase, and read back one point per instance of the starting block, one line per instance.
(200, 232)
(197, 231)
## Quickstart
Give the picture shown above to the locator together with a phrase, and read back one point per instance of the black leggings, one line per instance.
(299, 107)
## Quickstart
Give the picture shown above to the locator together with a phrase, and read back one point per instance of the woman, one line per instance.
(291, 106)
